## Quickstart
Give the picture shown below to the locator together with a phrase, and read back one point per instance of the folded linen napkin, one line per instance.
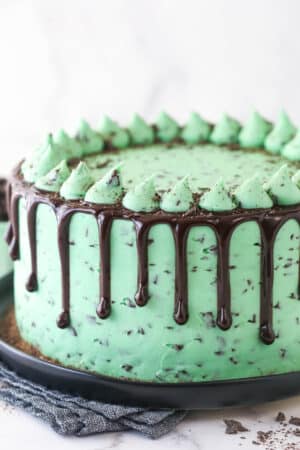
(69, 415)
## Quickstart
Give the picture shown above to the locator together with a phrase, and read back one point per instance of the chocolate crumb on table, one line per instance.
(234, 427)
(280, 417)
(295, 421)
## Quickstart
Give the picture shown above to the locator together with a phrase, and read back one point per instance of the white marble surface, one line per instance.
(200, 431)
(63, 59)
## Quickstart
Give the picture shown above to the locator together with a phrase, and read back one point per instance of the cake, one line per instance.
(161, 253)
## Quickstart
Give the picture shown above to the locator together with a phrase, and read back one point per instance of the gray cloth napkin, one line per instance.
(77, 416)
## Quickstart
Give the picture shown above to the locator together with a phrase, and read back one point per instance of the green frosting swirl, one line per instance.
(142, 198)
(111, 131)
(296, 178)
(70, 146)
(254, 132)
(42, 160)
(226, 131)
(54, 179)
(252, 195)
(167, 128)
(108, 190)
(217, 199)
(78, 183)
(282, 133)
(196, 130)
(108, 127)
(179, 198)
(291, 150)
(141, 133)
(282, 189)
(90, 141)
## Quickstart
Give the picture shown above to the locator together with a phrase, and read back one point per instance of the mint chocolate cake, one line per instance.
(161, 253)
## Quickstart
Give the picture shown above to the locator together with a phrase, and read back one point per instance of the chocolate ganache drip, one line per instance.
(31, 207)
(223, 225)
(104, 227)
(142, 232)
(180, 233)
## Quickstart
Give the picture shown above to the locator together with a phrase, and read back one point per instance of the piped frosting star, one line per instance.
(90, 141)
(179, 198)
(167, 128)
(108, 190)
(78, 183)
(226, 131)
(142, 198)
(140, 132)
(282, 189)
(283, 132)
(71, 147)
(254, 131)
(111, 131)
(252, 195)
(54, 179)
(291, 150)
(42, 161)
(196, 130)
(217, 198)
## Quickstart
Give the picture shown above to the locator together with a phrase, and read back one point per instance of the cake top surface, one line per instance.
(203, 164)
(146, 167)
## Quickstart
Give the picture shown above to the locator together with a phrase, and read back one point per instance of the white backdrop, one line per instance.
(61, 60)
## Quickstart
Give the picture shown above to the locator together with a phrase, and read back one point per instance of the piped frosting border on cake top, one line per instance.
(46, 178)
(48, 168)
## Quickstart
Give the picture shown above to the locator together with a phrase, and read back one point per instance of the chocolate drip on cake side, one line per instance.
(224, 230)
(180, 233)
(12, 236)
(142, 233)
(268, 228)
(223, 225)
(104, 226)
(63, 219)
(9, 233)
(31, 207)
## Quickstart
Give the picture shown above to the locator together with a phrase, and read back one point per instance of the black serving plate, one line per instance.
(206, 395)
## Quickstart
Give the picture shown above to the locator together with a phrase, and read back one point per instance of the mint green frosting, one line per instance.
(217, 198)
(90, 140)
(296, 178)
(54, 179)
(142, 198)
(254, 132)
(283, 132)
(226, 131)
(291, 150)
(78, 183)
(141, 133)
(179, 198)
(118, 136)
(167, 128)
(282, 189)
(42, 161)
(252, 195)
(70, 146)
(196, 130)
(108, 190)
(108, 127)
